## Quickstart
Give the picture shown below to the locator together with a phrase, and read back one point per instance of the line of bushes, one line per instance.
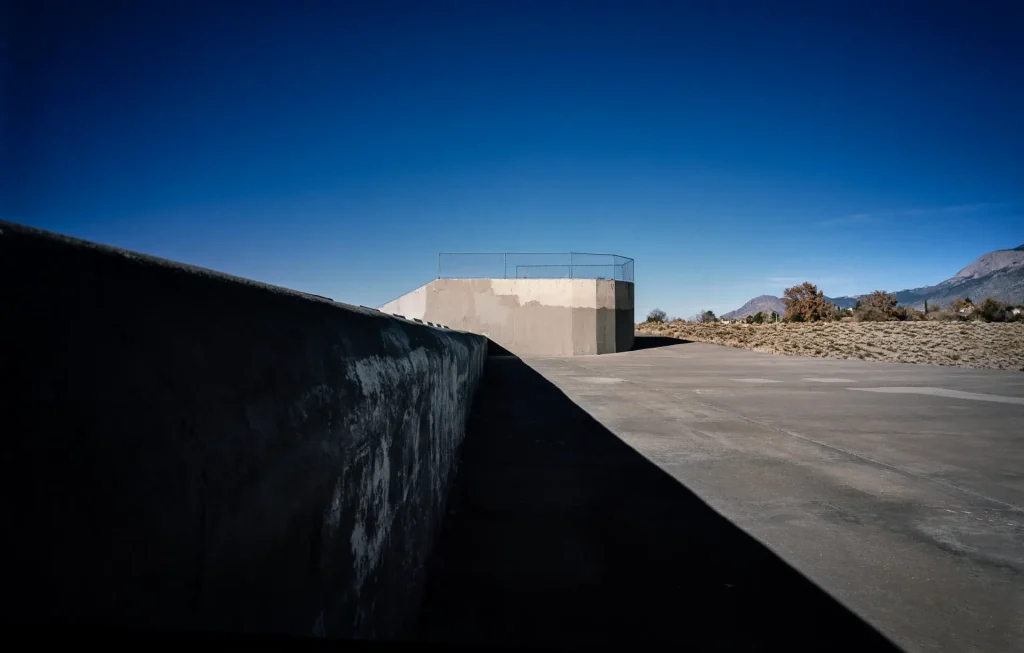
(805, 303)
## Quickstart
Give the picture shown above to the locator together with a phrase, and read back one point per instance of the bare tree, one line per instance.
(656, 315)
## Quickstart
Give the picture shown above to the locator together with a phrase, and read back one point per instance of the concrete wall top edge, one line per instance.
(9, 229)
(15, 230)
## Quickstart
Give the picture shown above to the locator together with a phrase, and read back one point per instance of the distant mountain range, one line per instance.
(764, 303)
(999, 275)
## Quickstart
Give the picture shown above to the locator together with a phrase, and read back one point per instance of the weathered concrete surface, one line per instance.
(906, 506)
(530, 316)
(194, 450)
(561, 535)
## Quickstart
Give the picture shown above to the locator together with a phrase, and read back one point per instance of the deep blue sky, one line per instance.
(335, 147)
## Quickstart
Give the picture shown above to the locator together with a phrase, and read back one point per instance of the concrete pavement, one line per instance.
(896, 488)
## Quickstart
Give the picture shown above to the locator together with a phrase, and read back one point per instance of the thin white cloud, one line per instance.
(891, 214)
(975, 208)
(856, 218)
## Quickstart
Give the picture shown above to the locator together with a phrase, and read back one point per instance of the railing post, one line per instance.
(570, 265)
(504, 265)
(438, 265)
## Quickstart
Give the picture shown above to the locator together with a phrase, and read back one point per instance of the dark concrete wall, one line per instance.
(201, 451)
(625, 322)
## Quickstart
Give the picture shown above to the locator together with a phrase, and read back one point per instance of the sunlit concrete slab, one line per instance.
(897, 488)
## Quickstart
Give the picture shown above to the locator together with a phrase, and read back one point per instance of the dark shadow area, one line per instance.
(124, 636)
(643, 341)
(558, 534)
(494, 349)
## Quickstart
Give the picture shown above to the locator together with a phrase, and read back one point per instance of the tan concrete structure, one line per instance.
(529, 317)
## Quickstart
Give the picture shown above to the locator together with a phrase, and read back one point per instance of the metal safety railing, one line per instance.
(533, 265)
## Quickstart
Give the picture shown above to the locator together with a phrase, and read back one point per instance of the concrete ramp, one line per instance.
(530, 317)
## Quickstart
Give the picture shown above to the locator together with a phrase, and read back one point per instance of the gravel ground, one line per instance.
(963, 344)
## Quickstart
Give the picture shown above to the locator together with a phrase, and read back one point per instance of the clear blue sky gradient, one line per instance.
(731, 148)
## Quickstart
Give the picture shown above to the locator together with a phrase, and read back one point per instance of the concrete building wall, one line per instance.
(530, 317)
(194, 450)
(410, 305)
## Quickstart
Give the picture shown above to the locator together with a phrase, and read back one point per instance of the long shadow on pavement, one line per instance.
(643, 341)
(561, 535)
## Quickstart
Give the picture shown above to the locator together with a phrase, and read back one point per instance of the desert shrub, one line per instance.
(805, 303)
(944, 315)
(931, 307)
(962, 305)
(871, 314)
(657, 315)
(876, 304)
(991, 310)
(908, 314)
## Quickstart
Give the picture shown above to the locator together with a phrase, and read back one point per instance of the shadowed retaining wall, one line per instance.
(530, 317)
(201, 451)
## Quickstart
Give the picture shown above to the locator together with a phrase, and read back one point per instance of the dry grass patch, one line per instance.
(994, 345)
